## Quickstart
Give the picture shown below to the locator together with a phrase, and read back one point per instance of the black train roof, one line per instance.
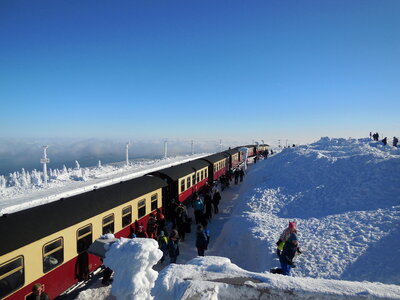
(176, 172)
(232, 151)
(216, 157)
(24, 227)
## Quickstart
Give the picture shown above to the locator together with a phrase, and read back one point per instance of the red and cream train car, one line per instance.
(48, 243)
(233, 155)
(184, 180)
(218, 165)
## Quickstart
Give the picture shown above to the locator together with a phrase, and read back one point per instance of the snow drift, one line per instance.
(344, 196)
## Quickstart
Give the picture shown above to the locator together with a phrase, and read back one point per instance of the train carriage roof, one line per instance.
(215, 157)
(232, 151)
(176, 172)
(24, 227)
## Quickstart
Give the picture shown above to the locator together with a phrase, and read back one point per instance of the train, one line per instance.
(49, 243)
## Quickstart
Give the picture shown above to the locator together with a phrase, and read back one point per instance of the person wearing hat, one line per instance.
(162, 244)
(284, 237)
(290, 249)
(38, 293)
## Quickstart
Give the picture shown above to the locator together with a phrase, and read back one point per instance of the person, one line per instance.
(173, 246)
(290, 249)
(198, 209)
(395, 141)
(236, 174)
(82, 263)
(255, 159)
(160, 220)
(152, 226)
(284, 237)
(162, 245)
(181, 219)
(208, 204)
(201, 241)
(241, 174)
(215, 200)
(38, 293)
(384, 141)
(141, 233)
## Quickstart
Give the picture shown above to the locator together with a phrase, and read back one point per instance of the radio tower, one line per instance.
(45, 161)
(127, 153)
(165, 148)
(192, 147)
(220, 145)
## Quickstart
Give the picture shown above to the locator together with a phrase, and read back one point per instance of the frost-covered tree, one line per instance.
(64, 170)
(3, 182)
(14, 179)
(99, 164)
(23, 179)
(36, 177)
(83, 175)
(78, 166)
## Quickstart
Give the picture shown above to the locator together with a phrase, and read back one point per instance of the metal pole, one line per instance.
(45, 161)
(192, 147)
(127, 153)
(165, 149)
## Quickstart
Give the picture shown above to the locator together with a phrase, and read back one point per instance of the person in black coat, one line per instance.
(236, 174)
(215, 201)
(395, 141)
(290, 249)
(208, 205)
(201, 241)
(241, 174)
(173, 246)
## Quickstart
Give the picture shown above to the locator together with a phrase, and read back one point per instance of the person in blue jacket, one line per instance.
(201, 240)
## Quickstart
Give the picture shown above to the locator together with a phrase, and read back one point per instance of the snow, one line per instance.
(344, 195)
(27, 190)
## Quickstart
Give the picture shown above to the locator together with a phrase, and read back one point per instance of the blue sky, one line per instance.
(199, 69)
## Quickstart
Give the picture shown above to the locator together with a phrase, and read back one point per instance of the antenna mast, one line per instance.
(45, 161)
(165, 148)
(127, 153)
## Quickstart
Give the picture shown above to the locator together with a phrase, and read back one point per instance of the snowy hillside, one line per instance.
(344, 196)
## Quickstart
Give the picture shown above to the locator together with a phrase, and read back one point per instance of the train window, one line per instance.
(126, 216)
(194, 179)
(84, 237)
(154, 202)
(53, 255)
(215, 168)
(188, 185)
(206, 173)
(11, 276)
(198, 176)
(202, 175)
(108, 224)
(142, 208)
(182, 185)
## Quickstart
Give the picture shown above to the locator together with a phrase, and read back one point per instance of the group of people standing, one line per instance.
(375, 137)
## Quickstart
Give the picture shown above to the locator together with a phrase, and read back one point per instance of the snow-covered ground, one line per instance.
(23, 189)
(344, 195)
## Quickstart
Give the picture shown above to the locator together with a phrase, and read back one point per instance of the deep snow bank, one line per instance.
(345, 197)
(217, 278)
